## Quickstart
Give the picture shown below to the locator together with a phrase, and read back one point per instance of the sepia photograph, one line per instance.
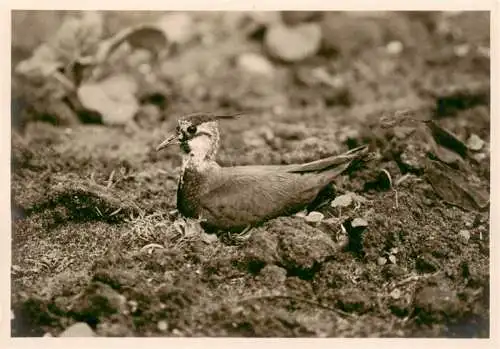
(315, 174)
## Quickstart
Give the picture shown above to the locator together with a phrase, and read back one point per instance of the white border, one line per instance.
(6, 341)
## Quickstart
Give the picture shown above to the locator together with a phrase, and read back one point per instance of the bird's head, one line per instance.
(197, 134)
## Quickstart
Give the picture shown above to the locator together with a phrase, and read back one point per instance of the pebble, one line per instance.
(133, 305)
(314, 217)
(79, 329)
(392, 258)
(292, 44)
(475, 142)
(359, 222)
(342, 201)
(479, 157)
(209, 238)
(114, 98)
(464, 235)
(381, 260)
(177, 332)
(396, 293)
(256, 64)
(162, 325)
(301, 214)
(394, 48)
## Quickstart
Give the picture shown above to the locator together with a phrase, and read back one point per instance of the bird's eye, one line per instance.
(191, 129)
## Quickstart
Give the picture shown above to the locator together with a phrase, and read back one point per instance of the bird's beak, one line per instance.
(167, 142)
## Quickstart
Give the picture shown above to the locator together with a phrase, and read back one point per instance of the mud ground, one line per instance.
(93, 232)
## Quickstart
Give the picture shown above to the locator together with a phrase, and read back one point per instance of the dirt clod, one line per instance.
(436, 304)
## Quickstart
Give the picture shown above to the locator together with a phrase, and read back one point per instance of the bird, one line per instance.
(236, 198)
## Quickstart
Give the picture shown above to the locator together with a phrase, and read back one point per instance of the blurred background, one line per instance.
(266, 61)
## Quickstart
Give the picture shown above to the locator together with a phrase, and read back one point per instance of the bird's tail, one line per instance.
(337, 163)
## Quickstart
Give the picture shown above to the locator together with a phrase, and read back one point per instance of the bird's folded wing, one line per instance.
(255, 195)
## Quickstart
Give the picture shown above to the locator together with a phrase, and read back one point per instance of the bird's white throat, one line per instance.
(201, 151)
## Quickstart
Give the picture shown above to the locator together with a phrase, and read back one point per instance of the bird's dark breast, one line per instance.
(189, 187)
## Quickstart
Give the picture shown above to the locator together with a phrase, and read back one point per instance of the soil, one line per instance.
(95, 237)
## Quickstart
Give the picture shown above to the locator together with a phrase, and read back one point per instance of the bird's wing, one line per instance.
(242, 195)
(246, 197)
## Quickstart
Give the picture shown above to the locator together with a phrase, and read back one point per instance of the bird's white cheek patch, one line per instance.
(200, 146)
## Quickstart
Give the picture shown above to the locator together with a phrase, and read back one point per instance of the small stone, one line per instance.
(359, 222)
(162, 325)
(79, 329)
(301, 214)
(12, 316)
(479, 157)
(342, 201)
(475, 142)
(396, 293)
(48, 335)
(392, 258)
(133, 305)
(295, 43)
(209, 238)
(254, 63)
(314, 217)
(381, 260)
(394, 48)
(114, 98)
(464, 235)
(177, 332)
